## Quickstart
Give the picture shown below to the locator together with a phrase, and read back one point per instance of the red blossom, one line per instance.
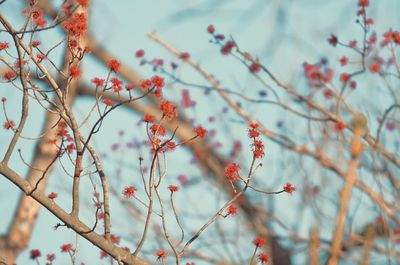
(129, 191)
(40, 22)
(363, 3)
(83, 3)
(173, 188)
(211, 29)
(369, 21)
(343, 61)
(328, 93)
(353, 84)
(289, 188)
(66, 247)
(36, 43)
(344, 77)
(117, 84)
(232, 172)
(113, 65)
(98, 81)
(74, 72)
(227, 48)
(139, 53)
(4, 45)
(36, 13)
(100, 216)
(76, 25)
(157, 81)
(258, 148)
(50, 257)
(9, 75)
(263, 257)
(168, 109)
(353, 43)
(8, 125)
(108, 102)
(52, 195)
(390, 36)
(35, 253)
(201, 132)
(146, 84)
(158, 129)
(171, 145)
(259, 242)
(41, 56)
(253, 133)
(254, 68)
(333, 40)
(148, 118)
(375, 68)
(231, 210)
(184, 55)
(161, 254)
(129, 87)
(115, 239)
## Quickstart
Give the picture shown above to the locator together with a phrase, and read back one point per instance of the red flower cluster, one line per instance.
(83, 3)
(38, 18)
(76, 25)
(333, 40)
(255, 68)
(108, 102)
(9, 75)
(113, 65)
(201, 132)
(35, 253)
(50, 257)
(116, 84)
(139, 53)
(211, 29)
(259, 242)
(74, 72)
(4, 45)
(148, 118)
(115, 239)
(227, 48)
(169, 109)
(161, 254)
(339, 126)
(129, 191)
(52, 195)
(263, 257)
(289, 188)
(158, 129)
(184, 55)
(317, 74)
(257, 145)
(343, 61)
(8, 125)
(66, 248)
(232, 172)
(173, 188)
(98, 81)
(231, 210)
(388, 37)
(158, 82)
(363, 3)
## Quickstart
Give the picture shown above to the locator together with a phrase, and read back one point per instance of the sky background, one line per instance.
(282, 34)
